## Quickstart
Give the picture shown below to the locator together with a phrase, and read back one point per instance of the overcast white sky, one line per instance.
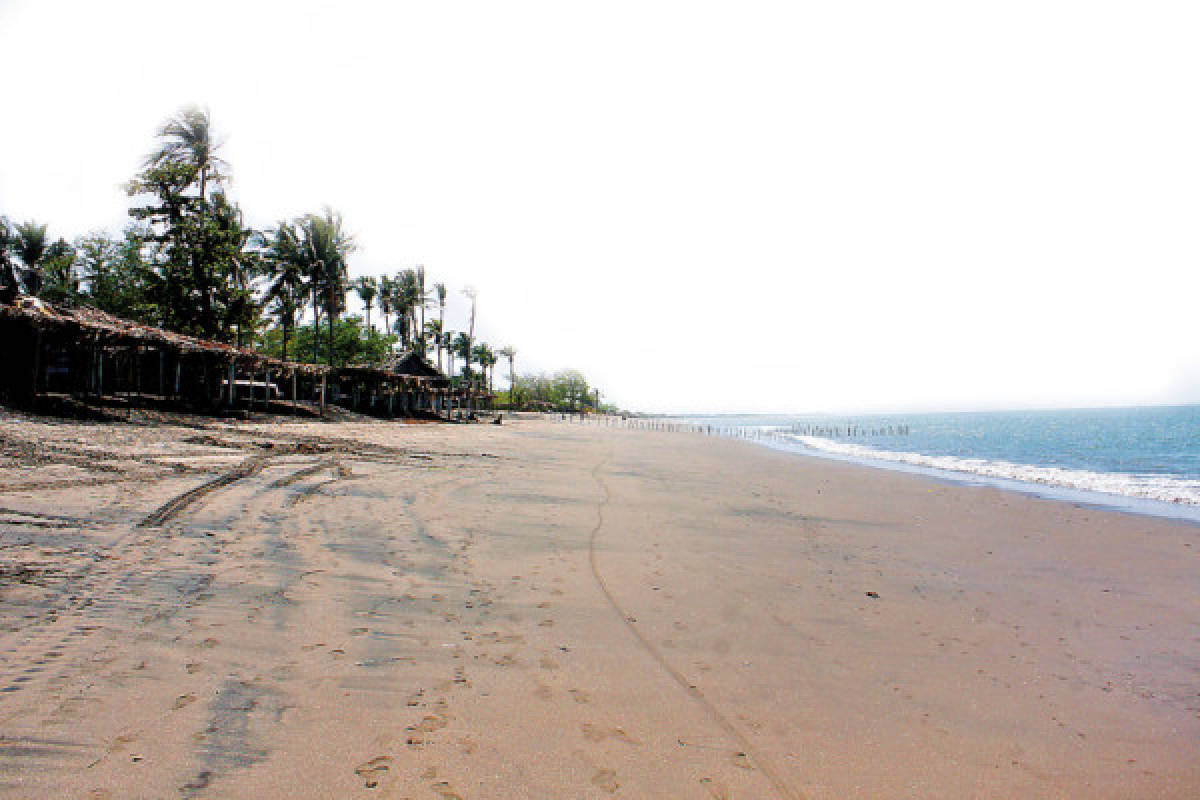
(754, 206)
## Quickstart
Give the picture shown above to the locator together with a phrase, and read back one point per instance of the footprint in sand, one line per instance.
(201, 781)
(372, 771)
(606, 779)
(741, 760)
(717, 790)
(183, 701)
(445, 792)
(429, 723)
(579, 695)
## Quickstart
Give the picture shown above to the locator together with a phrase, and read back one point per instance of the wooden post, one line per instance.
(37, 366)
(178, 375)
(267, 389)
(293, 392)
(323, 376)
(232, 390)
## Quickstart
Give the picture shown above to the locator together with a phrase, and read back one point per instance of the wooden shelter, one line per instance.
(405, 385)
(85, 352)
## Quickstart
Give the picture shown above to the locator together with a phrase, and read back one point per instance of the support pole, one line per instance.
(37, 366)
(293, 392)
(323, 376)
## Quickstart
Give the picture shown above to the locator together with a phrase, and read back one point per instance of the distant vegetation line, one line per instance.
(187, 262)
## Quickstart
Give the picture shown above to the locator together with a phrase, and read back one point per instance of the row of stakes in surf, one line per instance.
(739, 431)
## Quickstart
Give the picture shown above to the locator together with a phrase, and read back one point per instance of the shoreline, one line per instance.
(902, 461)
(546, 609)
(1091, 498)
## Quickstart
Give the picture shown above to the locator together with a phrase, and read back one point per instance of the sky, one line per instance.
(756, 206)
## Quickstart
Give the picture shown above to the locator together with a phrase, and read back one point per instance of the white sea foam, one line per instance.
(1161, 488)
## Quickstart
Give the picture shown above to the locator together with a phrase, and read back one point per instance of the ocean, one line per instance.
(1144, 460)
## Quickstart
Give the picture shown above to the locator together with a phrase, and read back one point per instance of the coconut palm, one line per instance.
(402, 296)
(384, 297)
(447, 338)
(422, 302)
(243, 256)
(367, 287)
(324, 247)
(486, 360)
(433, 333)
(9, 283)
(439, 291)
(31, 244)
(510, 352)
(60, 276)
(462, 347)
(410, 297)
(286, 273)
(471, 294)
(187, 139)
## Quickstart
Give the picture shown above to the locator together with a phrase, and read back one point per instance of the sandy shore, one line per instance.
(550, 610)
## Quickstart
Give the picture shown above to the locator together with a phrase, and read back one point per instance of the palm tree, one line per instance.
(433, 333)
(402, 297)
(10, 284)
(31, 244)
(187, 139)
(470, 292)
(486, 359)
(510, 352)
(385, 298)
(410, 296)
(286, 272)
(325, 247)
(422, 301)
(367, 287)
(243, 247)
(60, 277)
(462, 347)
(439, 291)
(447, 338)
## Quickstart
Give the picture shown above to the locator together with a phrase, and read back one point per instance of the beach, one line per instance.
(544, 609)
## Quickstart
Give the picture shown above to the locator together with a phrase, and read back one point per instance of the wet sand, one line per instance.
(546, 610)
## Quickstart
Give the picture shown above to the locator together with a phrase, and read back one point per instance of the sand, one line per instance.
(548, 610)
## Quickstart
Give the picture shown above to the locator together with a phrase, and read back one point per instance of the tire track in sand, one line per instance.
(786, 792)
(177, 504)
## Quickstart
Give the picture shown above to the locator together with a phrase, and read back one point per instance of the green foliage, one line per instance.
(199, 248)
(189, 263)
(115, 277)
(566, 390)
(353, 343)
(60, 277)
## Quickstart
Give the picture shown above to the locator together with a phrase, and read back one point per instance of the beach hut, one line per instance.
(58, 352)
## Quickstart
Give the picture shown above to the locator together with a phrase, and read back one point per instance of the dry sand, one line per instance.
(552, 610)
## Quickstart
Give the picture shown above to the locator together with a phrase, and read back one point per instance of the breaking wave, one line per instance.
(1161, 488)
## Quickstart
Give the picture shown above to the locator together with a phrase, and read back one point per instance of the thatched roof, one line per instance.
(91, 326)
(412, 364)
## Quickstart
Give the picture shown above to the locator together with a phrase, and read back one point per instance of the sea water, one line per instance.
(1136, 459)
